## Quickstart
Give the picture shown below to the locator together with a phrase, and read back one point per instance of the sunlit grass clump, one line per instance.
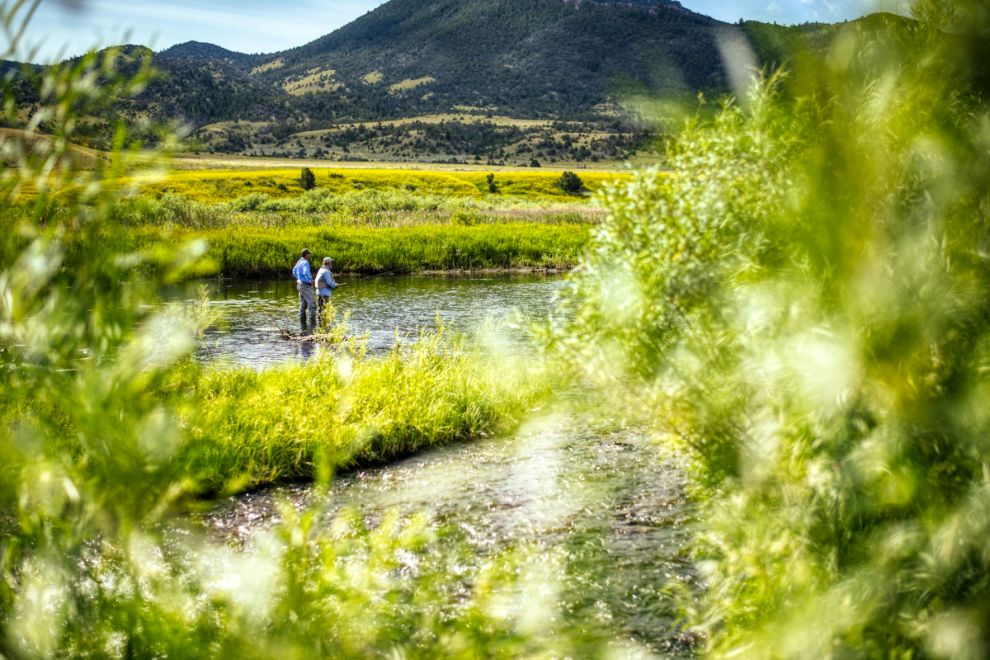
(254, 251)
(343, 409)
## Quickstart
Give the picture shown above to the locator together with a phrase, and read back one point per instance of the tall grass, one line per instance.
(401, 250)
(342, 409)
(256, 252)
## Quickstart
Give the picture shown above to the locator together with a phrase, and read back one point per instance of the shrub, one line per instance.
(252, 202)
(570, 183)
(307, 179)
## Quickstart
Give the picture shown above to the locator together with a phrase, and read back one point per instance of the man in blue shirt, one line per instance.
(307, 297)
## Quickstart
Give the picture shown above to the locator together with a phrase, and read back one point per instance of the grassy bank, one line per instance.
(365, 232)
(255, 222)
(342, 409)
(243, 428)
(259, 252)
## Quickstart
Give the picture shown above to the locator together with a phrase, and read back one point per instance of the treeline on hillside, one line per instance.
(476, 141)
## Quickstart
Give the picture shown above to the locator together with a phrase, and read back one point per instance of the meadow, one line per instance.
(370, 221)
(218, 186)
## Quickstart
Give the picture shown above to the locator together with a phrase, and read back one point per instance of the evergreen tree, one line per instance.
(570, 183)
(307, 179)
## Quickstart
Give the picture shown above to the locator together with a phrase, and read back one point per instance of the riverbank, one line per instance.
(369, 250)
(258, 252)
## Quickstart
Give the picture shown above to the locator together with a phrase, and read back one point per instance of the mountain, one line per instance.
(516, 80)
(523, 58)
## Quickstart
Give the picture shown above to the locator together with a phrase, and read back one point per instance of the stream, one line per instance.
(606, 498)
(254, 311)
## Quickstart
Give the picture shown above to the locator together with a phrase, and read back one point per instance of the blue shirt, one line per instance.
(302, 272)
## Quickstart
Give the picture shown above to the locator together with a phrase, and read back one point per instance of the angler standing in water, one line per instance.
(307, 299)
(325, 285)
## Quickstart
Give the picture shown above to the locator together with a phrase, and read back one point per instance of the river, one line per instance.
(606, 497)
(253, 312)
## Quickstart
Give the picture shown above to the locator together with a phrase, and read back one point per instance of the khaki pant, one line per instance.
(307, 301)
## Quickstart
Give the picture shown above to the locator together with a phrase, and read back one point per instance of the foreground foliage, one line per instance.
(803, 303)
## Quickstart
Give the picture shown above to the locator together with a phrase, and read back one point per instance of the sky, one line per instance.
(65, 28)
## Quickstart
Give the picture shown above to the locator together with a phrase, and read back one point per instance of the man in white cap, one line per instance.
(325, 285)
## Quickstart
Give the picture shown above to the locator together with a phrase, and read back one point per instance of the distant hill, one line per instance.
(494, 80)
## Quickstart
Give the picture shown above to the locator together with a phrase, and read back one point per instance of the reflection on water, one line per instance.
(254, 311)
(612, 503)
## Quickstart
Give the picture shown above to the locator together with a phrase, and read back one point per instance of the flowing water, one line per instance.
(254, 312)
(609, 501)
